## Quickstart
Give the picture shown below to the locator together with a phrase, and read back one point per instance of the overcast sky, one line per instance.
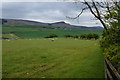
(48, 12)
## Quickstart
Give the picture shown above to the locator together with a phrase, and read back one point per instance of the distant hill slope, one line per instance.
(95, 27)
(58, 24)
(33, 29)
(18, 21)
(28, 22)
(37, 31)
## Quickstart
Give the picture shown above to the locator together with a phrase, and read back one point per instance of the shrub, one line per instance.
(68, 36)
(96, 36)
(76, 36)
(83, 36)
(89, 36)
(51, 36)
(110, 44)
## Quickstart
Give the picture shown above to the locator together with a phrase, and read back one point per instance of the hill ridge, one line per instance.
(59, 23)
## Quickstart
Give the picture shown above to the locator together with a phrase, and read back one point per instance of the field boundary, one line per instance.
(110, 72)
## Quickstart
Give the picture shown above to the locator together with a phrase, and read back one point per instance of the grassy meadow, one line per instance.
(37, 31)
(42, 58)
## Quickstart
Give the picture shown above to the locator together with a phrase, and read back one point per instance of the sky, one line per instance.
(48, 12)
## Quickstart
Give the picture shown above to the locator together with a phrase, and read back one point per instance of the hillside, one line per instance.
(32, 29)
(28, 22)
(58, 24)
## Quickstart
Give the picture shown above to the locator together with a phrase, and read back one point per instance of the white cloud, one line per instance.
(47, 12)
(52, 0)
(33, 0)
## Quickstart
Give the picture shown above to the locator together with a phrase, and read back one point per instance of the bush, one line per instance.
(71, 36)
(110, 44)
(51, 36)
(89, 36)
(76, 36)
(68, 36)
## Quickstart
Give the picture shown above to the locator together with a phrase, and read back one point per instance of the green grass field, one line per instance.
(9, 36)
(35, 31)
(42, 58)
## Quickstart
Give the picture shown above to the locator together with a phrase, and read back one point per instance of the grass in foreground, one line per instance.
(42, 58)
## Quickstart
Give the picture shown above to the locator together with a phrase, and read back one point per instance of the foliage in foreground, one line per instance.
(110, 42)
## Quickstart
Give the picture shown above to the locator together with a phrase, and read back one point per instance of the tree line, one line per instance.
(82, 36)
